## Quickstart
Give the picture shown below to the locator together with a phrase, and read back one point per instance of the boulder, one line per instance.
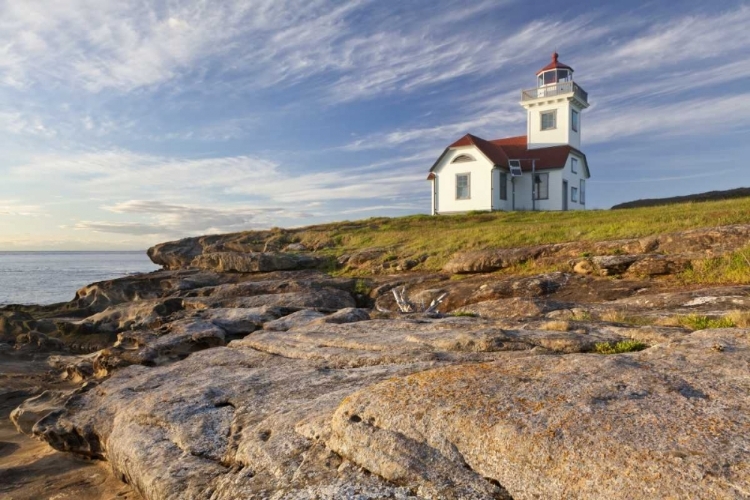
(486, 261)
(347, 315)
(34, 409)
(149, 313)
(176, 254)
(241, 320)
(609, 265)
(656, 265)
(583, 266)
(293, 320)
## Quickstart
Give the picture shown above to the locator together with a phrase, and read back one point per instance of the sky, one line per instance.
(124, 123)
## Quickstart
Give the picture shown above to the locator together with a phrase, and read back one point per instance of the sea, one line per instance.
(51, 277)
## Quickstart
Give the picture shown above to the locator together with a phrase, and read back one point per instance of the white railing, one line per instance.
(554, 90)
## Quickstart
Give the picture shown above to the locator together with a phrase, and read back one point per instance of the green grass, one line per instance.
(619, 347)
(730, 268)
(441, 236)
(701, 322)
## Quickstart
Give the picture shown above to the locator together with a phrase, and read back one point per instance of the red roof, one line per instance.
(545, 158)
(495, 154)
(499, 151)
(555, 64)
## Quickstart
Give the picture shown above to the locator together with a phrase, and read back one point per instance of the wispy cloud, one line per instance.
(20, 208)
(682, 118)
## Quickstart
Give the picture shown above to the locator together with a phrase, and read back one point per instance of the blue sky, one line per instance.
(125, 123)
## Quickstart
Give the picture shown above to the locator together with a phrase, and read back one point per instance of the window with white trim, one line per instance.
(549, 120)
(503, 186)
(583, 192)
(574, 165)
(541, 186)
(574, 194)
(463, 186)
(574, 121)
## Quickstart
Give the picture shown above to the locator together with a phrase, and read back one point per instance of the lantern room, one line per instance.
(553, 73)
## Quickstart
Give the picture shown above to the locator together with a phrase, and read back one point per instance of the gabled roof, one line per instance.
(555, 64)
(500, 151)
(493, 153)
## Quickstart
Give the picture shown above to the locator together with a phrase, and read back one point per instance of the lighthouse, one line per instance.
(554, 107)
(542, 170)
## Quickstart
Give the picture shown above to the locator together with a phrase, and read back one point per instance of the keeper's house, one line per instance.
(542, 170)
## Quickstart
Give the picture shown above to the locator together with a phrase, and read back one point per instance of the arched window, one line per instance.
(463, 159)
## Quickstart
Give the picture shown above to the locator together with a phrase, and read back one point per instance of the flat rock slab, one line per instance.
(378, 342)
(223, 424)
(325, 299)
(669, 422)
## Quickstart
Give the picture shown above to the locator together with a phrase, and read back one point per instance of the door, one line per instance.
(565, 195)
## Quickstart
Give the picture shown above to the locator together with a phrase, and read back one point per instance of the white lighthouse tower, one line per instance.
(553, 108)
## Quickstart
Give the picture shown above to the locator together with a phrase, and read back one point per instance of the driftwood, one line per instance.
(401, 301)
(405, 306)
(435, 303)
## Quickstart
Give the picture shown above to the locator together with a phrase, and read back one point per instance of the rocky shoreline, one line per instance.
(245, 369)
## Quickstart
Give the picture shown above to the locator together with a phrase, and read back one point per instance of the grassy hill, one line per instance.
(440, 237)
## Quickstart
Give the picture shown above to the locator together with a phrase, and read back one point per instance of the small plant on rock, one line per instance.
(702, 322)
(362, 287)
(619, 347)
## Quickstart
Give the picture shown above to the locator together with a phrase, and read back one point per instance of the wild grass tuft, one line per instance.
(702, 322)
(619, 347)
(731, 268)
(628, 319)
(741, 319)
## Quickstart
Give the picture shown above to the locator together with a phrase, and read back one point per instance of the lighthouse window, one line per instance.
(574, 120)
(503, 186)
(549, 77)
(574, 194)
(583, 192)
(574, 165)
(463, 187)
(541, 186)
(549, 120)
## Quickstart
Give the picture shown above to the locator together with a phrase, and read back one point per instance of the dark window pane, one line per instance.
(541, 186)
(549, 77)
(548, 120)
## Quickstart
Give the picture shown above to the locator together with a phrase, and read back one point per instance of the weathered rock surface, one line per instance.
(295, 385)
(669, 422)
(224, 423)
(34, 409)
(254, 262)
(293, 320)
(616, 256)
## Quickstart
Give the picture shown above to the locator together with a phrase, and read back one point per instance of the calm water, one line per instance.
(49, 277)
